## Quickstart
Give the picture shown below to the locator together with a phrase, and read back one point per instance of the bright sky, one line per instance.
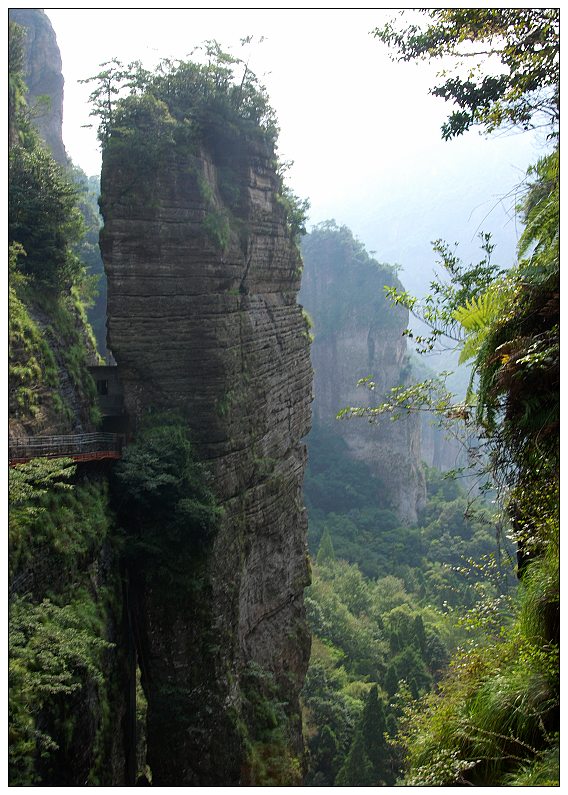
(329, 80)
(362, 131)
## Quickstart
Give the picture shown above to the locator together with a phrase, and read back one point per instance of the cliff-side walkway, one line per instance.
(79, 447)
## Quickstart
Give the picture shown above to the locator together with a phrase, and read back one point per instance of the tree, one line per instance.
(163, 492)
(43, 216)
(373, 728)
(419, 633)
(110, 82)
(524, 93)
(391, 680)
(325, 751)
(326, 553)
(221, 90)
(357, 770)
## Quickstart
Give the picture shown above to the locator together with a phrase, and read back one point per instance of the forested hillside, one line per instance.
(495, 719)
(486, 711)
(67, 696)
(388, 606)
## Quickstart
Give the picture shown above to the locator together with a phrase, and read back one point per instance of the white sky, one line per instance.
(328, 79)
(363, 132)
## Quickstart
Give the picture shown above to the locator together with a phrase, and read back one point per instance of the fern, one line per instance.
(476, 317)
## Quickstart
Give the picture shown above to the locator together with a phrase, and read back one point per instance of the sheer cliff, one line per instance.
(203, 272)
(358, 334)
(43, 76)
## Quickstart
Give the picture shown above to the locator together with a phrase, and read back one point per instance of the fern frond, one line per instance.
(479, 312)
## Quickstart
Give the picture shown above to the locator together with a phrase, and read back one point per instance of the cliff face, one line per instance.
(68, 655)
(203, 319)
(50, 390)
(43, 76)
(359, 335)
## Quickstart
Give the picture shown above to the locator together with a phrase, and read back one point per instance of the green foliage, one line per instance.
(53, 653)
(203, 97)
(395, 631)
(296, 210)
(270, 761)
(63, 581)
(456, 286)
(47, 282)
(341, 498)
(332, 248)
(60, 614)
(330, 713)
(497, 710)
(357, 770)
(146, 119)
(539, 243)
(518, 365)
(495, 719)
(16, 83)
(29, 487)
(325, 551)
(143, 131)
(475, 317)
(103, 97)
(43, 217)
(218, 228)
(351, 669)
(373, 729)
(94, 287)
(524, 93)
(164, 494)
(50, 342)
(31, 363)
(542, 771)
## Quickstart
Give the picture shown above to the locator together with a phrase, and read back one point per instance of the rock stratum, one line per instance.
(203, 319)
(43, 76)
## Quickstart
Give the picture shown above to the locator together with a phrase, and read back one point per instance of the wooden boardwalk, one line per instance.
(79, 447)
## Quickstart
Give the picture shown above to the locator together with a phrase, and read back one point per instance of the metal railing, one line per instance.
(82, 446)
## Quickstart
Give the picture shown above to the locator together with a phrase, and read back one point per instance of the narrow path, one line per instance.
(79, 447)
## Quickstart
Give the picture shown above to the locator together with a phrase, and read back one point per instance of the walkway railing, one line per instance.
(79, 447)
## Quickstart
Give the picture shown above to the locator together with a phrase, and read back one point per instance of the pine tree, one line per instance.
(326, 553)
(357, 770)
(327, 751)
(373, 727)
(391, 680)
(419, 633)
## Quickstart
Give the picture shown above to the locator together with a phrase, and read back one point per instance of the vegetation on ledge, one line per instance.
(184, 106)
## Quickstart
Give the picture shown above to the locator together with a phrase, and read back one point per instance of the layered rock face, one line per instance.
(43, 76)
(203, 319)
(358, 334)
